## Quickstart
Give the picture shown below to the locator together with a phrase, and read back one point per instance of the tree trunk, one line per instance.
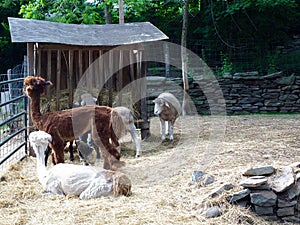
(107, 14)
(184, 62)
(121, 12)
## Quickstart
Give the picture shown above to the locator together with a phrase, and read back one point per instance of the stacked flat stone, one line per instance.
(271, 192)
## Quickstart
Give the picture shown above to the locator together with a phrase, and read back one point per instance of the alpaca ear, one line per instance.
(48, 83)
(167, 104)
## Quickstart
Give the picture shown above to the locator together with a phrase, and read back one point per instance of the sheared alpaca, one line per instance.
(60, 124)
(69, 179)
(128, 124)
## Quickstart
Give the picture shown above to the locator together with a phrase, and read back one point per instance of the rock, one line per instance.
(219, 191)
(263, 198)
(291, 219)
(208, 180)
(239, 195)
(265, 186)
(213, 212)
(294, 190)
(283, 180)
(283, 203)
(287, 211)
(255, 181)
(263, 211)
(196, 175)
(259, 171)
(286, 80)
(246, 74)
(273, 75)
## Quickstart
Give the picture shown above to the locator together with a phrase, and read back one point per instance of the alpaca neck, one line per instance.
(35, 111)
(40, 165)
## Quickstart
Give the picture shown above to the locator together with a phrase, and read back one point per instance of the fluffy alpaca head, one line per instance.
(35, 85)
(39, 141)
(121, 184)
(159, 105)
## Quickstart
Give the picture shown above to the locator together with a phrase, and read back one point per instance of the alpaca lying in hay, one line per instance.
(60, 124)
(69, 179)
(168, 109)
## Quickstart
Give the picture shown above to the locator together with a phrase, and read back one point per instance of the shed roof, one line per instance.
(29, 30)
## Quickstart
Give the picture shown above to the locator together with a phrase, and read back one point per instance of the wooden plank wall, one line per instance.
(66, 66)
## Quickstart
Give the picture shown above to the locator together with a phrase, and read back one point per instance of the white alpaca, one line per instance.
(69, 179)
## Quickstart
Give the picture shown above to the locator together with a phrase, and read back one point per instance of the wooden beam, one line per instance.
(80, 66)
(90, 70)
(30, 53)
(80, 47)
(58, 77)
(70, 77)
(110, 78)
(49, 70)
(145, 129)
(39, 62)
(120, 76)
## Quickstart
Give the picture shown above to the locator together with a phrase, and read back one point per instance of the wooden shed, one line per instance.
(107, 57)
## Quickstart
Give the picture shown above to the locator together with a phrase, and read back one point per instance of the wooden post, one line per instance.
(9, 93)
(167, 59)
(48, 75)
(70, 77)
(90, 71)
(145, 128)
(30, 64)
(58, 74)
(34, 58)
(39, 62)
(80, 61)
(110, 78)
(120, 80)
(101, 73)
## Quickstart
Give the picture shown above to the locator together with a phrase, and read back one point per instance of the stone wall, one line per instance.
(271, 192)
(244, 93)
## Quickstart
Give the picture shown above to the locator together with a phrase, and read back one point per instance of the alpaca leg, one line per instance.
(115, 145)
(132, 130)
(113, 156)
(82, 158)
(57, 152)
(170, 128)
(71, 151)
(162, 129)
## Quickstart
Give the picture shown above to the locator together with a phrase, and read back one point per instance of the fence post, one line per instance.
(10, 91)
(167, 59)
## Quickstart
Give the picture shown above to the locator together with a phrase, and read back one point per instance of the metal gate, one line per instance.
(13, 119)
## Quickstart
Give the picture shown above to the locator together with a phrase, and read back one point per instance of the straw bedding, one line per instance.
(162, 191)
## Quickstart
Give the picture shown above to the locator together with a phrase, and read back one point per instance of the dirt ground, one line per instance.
(162, 189)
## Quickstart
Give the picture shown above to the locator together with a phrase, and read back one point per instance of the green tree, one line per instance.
(10, 54)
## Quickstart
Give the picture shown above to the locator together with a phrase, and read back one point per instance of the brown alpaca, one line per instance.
(60, 124)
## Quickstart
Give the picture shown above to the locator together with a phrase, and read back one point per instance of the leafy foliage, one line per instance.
(226, 22)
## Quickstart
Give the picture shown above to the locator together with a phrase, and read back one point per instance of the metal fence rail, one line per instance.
(13, 120)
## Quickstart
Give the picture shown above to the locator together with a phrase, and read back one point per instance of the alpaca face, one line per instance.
(35, 85)
(159, 106)
(39, 141)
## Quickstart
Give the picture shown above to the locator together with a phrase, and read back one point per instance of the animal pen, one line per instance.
(99, 59)
(13, 122)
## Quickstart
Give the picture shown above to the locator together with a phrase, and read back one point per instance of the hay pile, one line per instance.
(162, 189)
